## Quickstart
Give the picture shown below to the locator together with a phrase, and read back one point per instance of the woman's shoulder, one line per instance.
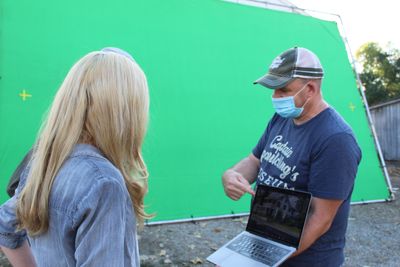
(83, 175)
(86, 160)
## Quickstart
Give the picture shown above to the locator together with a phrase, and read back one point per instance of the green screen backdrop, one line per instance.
(200, 57)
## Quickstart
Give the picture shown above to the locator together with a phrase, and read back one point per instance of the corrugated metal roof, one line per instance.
(391, 102)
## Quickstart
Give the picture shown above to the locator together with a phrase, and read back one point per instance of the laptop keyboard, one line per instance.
(258, 250)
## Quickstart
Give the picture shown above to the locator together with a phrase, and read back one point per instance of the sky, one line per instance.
(363, 21)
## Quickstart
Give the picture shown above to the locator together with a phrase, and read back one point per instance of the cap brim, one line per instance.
(273, 82)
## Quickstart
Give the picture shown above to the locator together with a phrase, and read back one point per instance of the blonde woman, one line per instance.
(81, 195)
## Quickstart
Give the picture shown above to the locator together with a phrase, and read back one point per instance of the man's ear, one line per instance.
(313, 88)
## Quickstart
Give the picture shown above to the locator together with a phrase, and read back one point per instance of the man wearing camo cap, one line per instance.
(306, 146)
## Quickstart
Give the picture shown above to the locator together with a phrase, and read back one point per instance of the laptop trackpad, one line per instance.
(239, 260)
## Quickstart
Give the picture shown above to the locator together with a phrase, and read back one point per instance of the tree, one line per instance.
(381, 72)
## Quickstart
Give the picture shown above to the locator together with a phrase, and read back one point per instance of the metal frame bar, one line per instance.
(265, 3)
(361, 88)
(239, 215)
(361, 91)
(198, 219)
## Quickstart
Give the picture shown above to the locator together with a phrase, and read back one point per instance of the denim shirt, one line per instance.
(91, 216)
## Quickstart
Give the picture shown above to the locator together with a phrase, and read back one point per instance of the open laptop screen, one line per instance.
(279, 214)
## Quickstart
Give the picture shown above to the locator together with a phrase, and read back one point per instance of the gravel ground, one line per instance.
(373, 236)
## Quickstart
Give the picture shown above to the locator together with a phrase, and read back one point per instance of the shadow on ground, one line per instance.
(373, 236)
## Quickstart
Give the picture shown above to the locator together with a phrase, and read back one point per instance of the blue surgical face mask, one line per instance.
(286, 107)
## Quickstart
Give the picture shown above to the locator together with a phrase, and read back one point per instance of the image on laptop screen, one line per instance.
(279, 214)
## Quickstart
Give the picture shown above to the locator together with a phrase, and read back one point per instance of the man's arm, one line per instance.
(21, 256)
(331, 182)
(320, 219)
(237, 180)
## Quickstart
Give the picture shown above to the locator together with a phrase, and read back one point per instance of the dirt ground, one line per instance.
(371, 240)
(373, 236)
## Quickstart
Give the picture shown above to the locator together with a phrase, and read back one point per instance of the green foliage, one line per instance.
(381, 72)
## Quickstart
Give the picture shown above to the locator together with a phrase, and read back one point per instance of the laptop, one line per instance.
(273, 231)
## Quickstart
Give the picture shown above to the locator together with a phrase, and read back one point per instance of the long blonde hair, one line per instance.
(103, 101)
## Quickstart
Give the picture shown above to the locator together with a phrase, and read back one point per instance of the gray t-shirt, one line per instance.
(320, 156)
